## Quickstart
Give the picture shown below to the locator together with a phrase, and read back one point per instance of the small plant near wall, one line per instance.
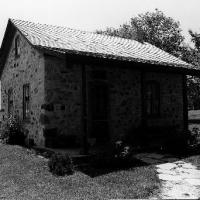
(61, 164)
(122, 152)
(121, 156)
(12, 132)
(194, 136)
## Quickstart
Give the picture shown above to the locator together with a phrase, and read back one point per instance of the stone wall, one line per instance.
(124, 96)
(125, 99)
(62, 101)
(24, 69)
(171, 99)
(56, 96)
(63, 98)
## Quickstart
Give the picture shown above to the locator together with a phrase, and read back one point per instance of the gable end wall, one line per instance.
(28, 68)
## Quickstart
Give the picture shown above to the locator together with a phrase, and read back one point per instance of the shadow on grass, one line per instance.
(94, 170)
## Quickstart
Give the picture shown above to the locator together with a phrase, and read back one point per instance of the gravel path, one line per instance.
(180, 180)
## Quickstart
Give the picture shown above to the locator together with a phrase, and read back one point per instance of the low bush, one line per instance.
(119, 157)
(12, 132)
(61, 164)
(193, 140)
(194, 136)
(122, 152)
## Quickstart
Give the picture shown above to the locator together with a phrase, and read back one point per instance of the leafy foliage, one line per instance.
(61, 164)
(192, 56)
(165, 33)
(122, 151)
(120, 156)
(195, 39)
(189, 54)
(124, 31)
(153, 27)
(193, 85)
(194, 136)
(13, 133)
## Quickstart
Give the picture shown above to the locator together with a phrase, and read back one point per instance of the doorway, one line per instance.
(98, 104)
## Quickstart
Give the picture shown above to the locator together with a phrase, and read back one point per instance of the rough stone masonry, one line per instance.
(56, 95)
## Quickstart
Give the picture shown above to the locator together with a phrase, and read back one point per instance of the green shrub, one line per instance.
(12, 132)
(119, 156)
(194, 136)
(122, 153)
(61, 164)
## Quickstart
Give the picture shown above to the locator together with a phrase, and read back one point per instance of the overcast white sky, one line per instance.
(97, 14)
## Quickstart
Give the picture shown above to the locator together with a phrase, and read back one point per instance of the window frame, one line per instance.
(17, 49)
(10, 102)
(26, 101)
(154, 99)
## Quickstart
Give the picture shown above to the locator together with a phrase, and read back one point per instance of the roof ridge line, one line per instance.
(75, 29)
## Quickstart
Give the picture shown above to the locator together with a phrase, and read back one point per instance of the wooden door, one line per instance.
(98, 111)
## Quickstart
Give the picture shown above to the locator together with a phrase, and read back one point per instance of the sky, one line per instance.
(91, 15)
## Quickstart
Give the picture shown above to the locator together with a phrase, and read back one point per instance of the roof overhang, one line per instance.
(87, 57)
(94, 57)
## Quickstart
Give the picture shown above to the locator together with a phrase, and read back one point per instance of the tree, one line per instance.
(153, 27)
(193, 93)
(125, 31)
(192, 56)
(165, 33)
(189, 54)
(195, 39)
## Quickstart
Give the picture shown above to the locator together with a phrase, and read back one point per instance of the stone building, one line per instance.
(72, 87)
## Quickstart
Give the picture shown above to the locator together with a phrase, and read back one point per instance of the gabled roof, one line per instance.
(63, 40)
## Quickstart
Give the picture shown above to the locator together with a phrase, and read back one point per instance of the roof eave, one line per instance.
(187, 68)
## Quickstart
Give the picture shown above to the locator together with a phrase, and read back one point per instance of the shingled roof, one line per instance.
(63, 40)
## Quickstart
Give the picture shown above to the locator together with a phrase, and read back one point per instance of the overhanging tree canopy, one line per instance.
(153, 27)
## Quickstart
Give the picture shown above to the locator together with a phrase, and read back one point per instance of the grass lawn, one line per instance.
(23, 175)
(195, 160)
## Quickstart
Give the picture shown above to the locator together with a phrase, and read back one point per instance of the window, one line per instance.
(10, 102)
(98, 111)
(152, 98)
(17, 49)
(26, 101)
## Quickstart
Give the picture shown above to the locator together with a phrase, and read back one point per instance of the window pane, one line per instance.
(26, 101)
(17, 49)
(10, 102)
